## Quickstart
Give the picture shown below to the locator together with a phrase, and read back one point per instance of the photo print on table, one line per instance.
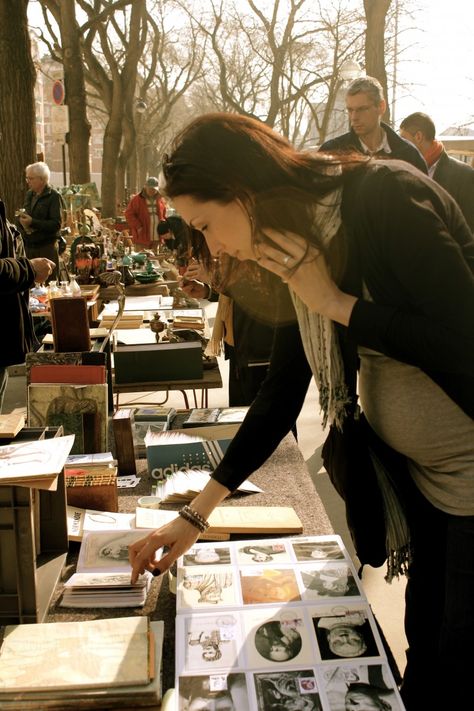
(311, 549)
(366, 686)
(210, 641)
(264, 585)
(204, 587)
(345, 631)
(263, 552)
(329, 580)
(207, 555)
(292, 690)
(276, 637)
(216, 692)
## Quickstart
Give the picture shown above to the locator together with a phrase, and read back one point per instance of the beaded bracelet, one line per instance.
(194, 518)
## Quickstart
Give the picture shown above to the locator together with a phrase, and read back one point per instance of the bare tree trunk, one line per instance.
(376, 14)
(79, 126)
(112, 140)
(17, 107)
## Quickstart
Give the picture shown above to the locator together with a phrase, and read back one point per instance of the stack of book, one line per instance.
(188, 318)
(98, 664)
(277, 623)
(102, 577)
(151, 419)
(201, 417)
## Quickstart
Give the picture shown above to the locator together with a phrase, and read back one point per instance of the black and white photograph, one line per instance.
(287, 691)
(215, 692)
(207, 555)
(207, 588)
(310, 550)
(344, 632)
(275, 639)
(329, 580)
(263, 552)
(367, 687)
(211, 641)
(107, 550)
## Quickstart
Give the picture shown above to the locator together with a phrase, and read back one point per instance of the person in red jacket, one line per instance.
(143, 213)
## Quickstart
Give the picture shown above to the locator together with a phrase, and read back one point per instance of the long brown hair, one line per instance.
(224, 157)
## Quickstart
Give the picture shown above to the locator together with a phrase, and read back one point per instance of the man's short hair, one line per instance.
(40, 169)
(419, 122)
(366, 85)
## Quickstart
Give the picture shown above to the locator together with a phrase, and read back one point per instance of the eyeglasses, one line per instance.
(360, 110)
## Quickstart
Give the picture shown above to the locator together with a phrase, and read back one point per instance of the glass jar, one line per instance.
(74, 288)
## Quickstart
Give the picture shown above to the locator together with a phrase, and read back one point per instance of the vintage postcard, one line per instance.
(364, 686)
(207, 554)
(325, 548)
(295, 689)
(345, 631)
(268, 585)
(263, 552)
(207, 587)
(107, 551)
(276, 637)
(220, 692)
(209, 642)
(326, 580)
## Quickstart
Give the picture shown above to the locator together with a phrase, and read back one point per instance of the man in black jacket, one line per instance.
(17, 275)
(365, 106)
(42, 216)
(455, 177)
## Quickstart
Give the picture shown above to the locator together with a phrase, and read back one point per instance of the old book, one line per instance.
(235, 519)
(35, 463)
(11, 424)
(70, 324)
(93, 488)
(112, 696)
(158, 413)
(74, 655)
(102, 577)
(74, 374)
(80, 521)
(125, 451)
(82, 410)
(73, 358)
(200, 417)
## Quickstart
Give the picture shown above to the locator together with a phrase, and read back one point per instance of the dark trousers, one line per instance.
(439, 615)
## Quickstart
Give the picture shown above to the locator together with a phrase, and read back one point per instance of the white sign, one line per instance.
(59, 122)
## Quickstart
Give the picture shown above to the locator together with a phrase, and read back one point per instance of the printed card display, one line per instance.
(277, 624)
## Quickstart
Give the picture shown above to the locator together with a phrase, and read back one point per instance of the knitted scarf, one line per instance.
(318, 332)
(223, 327)
(322, 350)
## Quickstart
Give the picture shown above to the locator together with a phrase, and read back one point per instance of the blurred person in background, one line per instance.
(143, 214)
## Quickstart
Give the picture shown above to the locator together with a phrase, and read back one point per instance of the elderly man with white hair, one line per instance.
(42, 215)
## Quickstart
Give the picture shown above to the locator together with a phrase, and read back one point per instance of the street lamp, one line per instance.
(350, 70)
(140, 106)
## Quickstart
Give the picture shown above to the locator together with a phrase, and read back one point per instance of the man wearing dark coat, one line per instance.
(455, 176)
(368, 134)
(42, 216)
(17, 275)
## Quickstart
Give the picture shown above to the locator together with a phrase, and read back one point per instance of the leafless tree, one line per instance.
(376, 17)
(17, 107)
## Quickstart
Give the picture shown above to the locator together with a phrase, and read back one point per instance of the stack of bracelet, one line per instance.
(194, 518)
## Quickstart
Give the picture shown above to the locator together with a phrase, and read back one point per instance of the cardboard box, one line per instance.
(158, 362)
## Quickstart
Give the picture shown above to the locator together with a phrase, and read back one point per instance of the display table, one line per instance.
(211, 379)
(286, 482)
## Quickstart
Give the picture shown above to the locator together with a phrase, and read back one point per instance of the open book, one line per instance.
(274, 623)
(35, 463)
(103, 572)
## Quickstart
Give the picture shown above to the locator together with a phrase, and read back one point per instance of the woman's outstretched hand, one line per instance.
(178, 536)
(304, 268)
